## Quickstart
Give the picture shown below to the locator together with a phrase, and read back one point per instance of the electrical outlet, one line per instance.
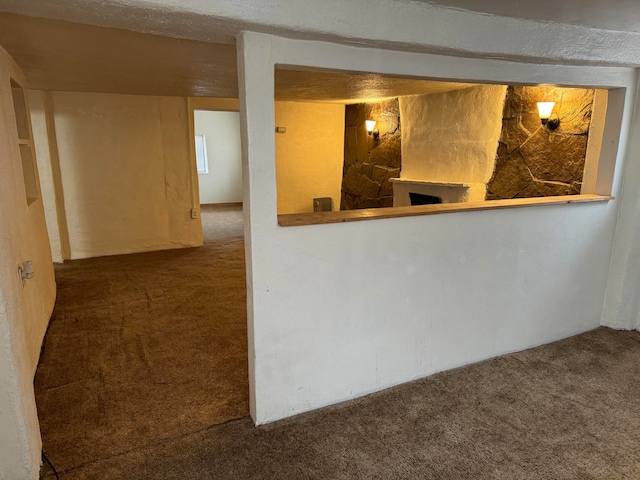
(194, 213)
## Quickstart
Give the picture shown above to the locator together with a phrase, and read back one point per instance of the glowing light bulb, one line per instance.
(371, 124)
(544, 109)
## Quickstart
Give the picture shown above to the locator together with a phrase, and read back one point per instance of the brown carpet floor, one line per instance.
(568, 410)
(144, 348)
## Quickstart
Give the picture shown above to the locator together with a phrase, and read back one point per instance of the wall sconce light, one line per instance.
(544, 110)
(371, 124)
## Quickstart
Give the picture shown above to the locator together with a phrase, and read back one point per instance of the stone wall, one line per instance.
(534, 161)
(369, 163)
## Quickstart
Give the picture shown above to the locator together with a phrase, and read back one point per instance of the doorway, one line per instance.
(147, 347)
(218, 157)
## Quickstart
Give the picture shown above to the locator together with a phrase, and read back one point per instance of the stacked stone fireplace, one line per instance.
(473, 144)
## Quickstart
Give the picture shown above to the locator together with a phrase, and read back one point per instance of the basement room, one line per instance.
(350, 240)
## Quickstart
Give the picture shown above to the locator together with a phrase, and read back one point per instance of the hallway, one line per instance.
(145, 348)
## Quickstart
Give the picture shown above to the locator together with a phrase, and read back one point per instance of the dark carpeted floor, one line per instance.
(568, 410)
(144, 348)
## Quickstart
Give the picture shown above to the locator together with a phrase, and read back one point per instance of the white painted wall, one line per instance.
(452, 137)
(332, 316)
(223, 183)
(24, 310)
(126, 173)
(310, 155)
(622, 305)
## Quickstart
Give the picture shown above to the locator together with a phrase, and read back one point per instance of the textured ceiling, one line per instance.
(64, 56)
(351, 87)
(620, 15)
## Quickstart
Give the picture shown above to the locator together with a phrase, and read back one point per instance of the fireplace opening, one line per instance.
(423, 199)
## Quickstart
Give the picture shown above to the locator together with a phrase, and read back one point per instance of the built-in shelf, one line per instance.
(298, 219)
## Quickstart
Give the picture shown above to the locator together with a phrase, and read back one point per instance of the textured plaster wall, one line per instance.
(452, 137)
(126, 173)
(50, 180)
(326, 323)
(534, 161)
(309, 156)
(370, 162)
(622, 305)
(24, 310)
(223, 183)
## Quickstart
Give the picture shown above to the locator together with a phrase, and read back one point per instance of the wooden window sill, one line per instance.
(298, 219)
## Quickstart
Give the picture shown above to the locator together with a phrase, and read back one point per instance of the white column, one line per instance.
(256, 89)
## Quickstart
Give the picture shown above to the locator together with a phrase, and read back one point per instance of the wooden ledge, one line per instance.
(297, 219)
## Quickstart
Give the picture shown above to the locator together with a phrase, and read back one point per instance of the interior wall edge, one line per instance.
(621, 306)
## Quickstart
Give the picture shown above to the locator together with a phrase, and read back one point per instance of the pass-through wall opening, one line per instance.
(372, 141)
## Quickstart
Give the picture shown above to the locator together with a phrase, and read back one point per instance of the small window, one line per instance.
(201, 155)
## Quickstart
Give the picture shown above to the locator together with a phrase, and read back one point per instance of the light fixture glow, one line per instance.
(544, 109)
(371, 124)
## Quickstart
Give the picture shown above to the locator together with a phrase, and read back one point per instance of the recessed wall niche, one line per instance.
(24, 140)
(447, 141)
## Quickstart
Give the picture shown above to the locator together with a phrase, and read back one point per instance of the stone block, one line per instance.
(386, 189)
(575, 112)
(366, 169)
(359, 185)
(347, 201)
(388, 152)
(511, 176)
(393, 173)
(370, 202)
(555, 157)
(379, 173)
(387, 201)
